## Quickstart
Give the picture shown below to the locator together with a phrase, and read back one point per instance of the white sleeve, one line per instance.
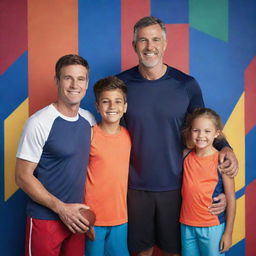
(32, 141)
(88, 116)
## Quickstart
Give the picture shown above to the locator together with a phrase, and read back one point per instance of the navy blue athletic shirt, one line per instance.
(60, 146)
(156, 112)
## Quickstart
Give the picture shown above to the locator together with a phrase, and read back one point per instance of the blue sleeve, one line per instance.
(195, 95)
(220, 144)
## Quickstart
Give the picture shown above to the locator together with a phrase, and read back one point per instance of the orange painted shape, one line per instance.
(52, 32)
(177, 52)
(131, 12)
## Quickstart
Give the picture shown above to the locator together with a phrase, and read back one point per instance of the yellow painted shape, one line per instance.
(235, 133)
(12, 130)
(239, 226)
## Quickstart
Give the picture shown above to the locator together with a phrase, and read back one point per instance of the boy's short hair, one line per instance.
(70, 59)
(108, 84)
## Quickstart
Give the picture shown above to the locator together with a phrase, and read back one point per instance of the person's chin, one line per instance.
(150, 64)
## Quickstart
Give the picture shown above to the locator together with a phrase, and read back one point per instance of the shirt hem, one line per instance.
(112, 223)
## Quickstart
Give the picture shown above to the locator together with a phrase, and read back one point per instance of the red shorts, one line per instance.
(52, 238)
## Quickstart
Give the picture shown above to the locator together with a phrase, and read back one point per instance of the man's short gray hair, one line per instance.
(145, 22)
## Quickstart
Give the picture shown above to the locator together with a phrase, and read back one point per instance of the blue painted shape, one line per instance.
(242, 34)
(240, 192)
(250, 149)
(171, 11)
(222, 84)
(219, 67)
(99, 41)
(237, 249)
(12, 223)
(14, 86)
(14, 90)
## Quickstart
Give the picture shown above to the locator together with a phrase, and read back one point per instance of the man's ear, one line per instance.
(87, 84)
(56, 80)
(165, 44)
(134, 45)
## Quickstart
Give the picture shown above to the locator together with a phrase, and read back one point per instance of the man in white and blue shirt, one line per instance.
(51, 165)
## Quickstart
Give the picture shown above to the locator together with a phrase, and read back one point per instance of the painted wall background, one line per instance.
(214, 41)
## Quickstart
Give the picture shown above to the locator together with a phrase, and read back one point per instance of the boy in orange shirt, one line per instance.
(107, 178)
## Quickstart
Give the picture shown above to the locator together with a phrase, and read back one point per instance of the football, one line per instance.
(89, 215)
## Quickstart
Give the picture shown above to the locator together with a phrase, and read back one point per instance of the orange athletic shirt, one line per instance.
(107, 176)
(200, 180)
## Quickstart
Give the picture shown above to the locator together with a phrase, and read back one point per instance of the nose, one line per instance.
(149, 45)
(111, 104)
(201, 134)
(74, 83)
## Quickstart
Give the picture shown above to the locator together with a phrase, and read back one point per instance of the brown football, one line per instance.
(89, 215)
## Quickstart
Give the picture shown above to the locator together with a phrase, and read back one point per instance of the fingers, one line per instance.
(229, 168)
(215, 211)
(228, 162)
(231, 171)
(217, 208)
(78, 228)
(223, 247)
(84, 206)
(225, 164)
(221, 157)
(83, 220)
(72, 218)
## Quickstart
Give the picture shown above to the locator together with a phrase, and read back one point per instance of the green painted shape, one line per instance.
(210, 16)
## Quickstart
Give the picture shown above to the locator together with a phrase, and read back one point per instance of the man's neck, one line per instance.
(66, 110)
(152, 73)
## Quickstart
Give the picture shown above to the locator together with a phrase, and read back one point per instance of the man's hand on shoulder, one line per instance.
(228, 162)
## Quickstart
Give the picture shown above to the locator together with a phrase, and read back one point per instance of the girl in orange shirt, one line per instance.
(201, 232)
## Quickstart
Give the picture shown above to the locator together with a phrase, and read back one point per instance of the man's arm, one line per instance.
(68, 213)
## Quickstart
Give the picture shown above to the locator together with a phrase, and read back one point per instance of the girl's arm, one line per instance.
(229, 188)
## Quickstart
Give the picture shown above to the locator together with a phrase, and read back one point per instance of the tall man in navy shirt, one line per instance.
(159, 98)
(51, 165)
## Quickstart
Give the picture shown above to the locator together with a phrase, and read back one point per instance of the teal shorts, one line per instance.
(110, 241)
(201, 240)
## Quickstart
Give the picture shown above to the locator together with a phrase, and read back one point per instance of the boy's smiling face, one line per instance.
(111, 106)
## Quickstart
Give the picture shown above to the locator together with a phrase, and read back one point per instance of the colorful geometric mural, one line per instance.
(214, 41)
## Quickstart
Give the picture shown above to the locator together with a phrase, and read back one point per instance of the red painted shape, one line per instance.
(250, 206)
(177, 52)
(52, 33)
(13, 32)
(250, 96)
(131, 12)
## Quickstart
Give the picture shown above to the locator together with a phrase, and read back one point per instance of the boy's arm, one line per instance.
(229, 188)
(68, 213)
